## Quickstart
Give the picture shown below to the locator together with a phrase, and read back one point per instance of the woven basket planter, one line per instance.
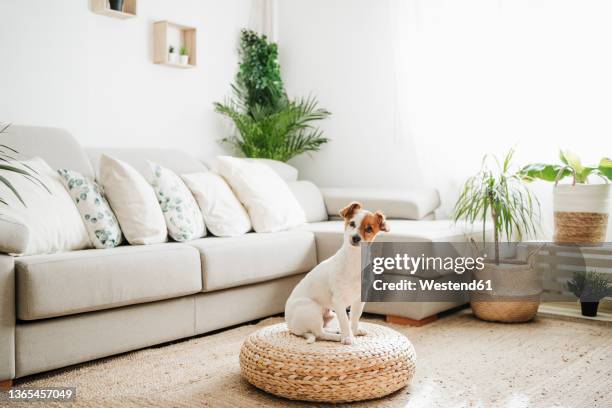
(505, 311)
(581, 213)
(515, 297)
(283, 364)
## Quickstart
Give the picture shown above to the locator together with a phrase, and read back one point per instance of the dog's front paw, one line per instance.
(348, 340)
(361, 332)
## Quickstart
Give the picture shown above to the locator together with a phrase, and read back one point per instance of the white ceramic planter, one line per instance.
(172, 57)
(184, 59)
(581, 212)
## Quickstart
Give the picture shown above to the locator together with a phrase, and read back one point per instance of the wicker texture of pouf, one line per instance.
(283, 364)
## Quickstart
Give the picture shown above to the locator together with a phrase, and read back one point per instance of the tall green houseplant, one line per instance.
(268, 123)
(499, 195)
(258, 81)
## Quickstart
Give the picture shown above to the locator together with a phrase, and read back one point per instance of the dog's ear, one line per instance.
(382, 221)
(348, 211)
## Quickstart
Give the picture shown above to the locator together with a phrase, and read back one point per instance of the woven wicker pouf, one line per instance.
(283, 364)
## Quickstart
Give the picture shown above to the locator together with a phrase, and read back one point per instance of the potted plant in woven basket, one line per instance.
(589, 288)
(581, 210)
(498, 195)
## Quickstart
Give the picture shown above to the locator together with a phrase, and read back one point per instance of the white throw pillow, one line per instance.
(267, 198)
(183, 217)
(133, 202)
(223, 214)
(51, 219)
(95, 211)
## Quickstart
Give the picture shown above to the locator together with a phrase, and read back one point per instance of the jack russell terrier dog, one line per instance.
(335, 283)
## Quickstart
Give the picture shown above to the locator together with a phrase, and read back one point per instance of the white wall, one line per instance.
(341, 51)
(422, 89)
(62, 65)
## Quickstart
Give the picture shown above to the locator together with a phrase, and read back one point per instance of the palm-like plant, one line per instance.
(501, 195)
(9, 162)
(269, 124)
(278, 135)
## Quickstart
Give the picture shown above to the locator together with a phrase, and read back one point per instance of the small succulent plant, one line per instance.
(590, 286)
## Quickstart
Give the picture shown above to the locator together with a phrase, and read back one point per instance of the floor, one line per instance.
(462, 362)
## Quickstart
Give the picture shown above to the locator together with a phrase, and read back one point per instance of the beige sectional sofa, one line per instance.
(66, 308)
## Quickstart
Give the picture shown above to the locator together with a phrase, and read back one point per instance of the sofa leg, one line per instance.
(6, 385)
(406, 321)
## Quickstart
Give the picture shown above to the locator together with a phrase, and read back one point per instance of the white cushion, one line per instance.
(99, 220)
(267, 198)
(250, 258)
(52, 221)
(223, 214)
(411, 204)
(14, 235)
(284, 170)
(310, 198)
(133, 201)
(84, 281)
(183, 217)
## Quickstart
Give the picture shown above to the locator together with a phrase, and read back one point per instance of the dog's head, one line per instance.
(361, 225)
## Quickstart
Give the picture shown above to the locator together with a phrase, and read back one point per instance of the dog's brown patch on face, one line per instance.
(371, 225)
(382, 221)
(349, 211)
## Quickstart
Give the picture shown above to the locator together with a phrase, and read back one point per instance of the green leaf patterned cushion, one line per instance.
(100, 222)
(183, 217)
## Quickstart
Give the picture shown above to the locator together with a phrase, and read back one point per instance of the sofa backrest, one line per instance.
(61, 151)
(173, 159)
(56, 146)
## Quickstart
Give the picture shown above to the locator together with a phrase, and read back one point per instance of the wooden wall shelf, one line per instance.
(103, 7)
(185, 36)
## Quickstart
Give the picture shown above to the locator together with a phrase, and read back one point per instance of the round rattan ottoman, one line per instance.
(283, 364)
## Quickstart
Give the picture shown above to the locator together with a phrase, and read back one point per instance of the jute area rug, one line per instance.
(461, 362)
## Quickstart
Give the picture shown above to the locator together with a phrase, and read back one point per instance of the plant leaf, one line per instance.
(546, 172)
(571, 160)
(10, 186)
(605, 167)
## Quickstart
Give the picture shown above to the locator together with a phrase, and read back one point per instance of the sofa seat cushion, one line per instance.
(82, 281)
(254, 257)
(329, 234)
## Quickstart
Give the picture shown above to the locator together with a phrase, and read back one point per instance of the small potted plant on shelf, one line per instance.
(184, 56)
(116, 5)
(590, 288)
(581, 210)
(172, 55)
(498, 195)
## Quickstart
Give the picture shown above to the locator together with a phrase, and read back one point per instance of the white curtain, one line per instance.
(263, 18)
(482, 76)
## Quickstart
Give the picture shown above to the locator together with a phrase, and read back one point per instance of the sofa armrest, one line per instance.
(7, 317)
(410, 204)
